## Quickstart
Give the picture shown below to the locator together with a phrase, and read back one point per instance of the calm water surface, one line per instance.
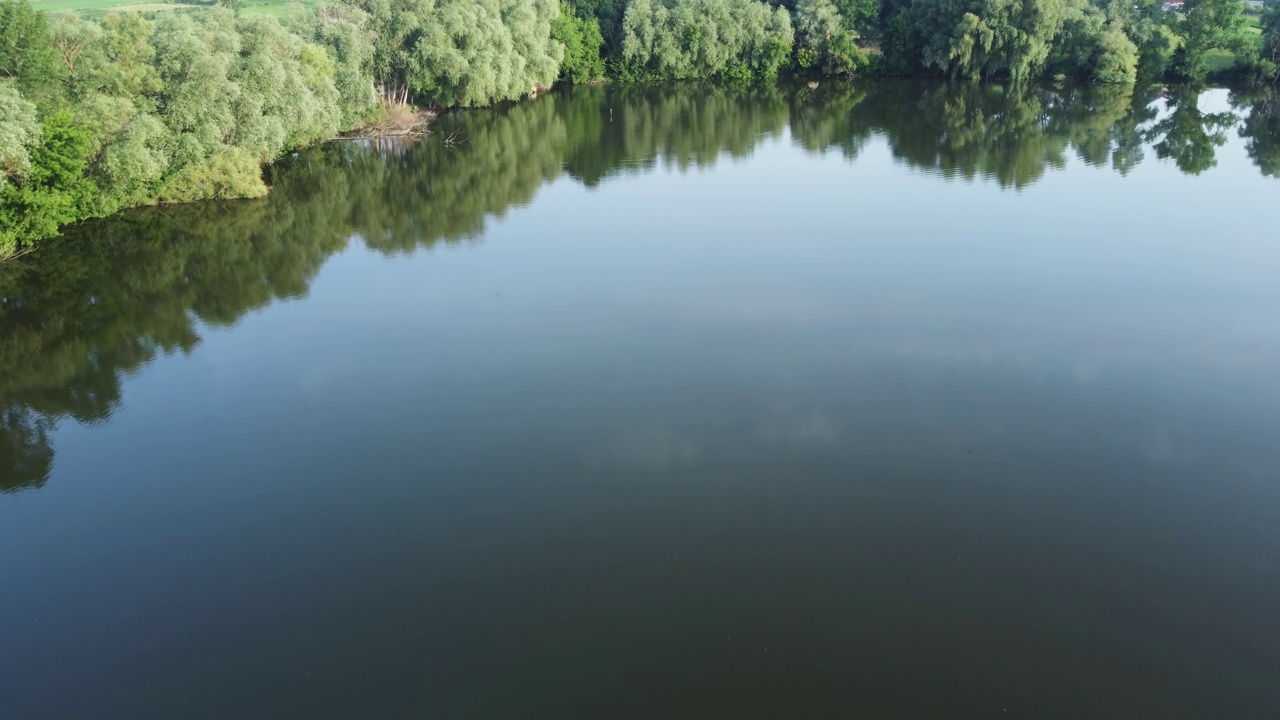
(881, 401)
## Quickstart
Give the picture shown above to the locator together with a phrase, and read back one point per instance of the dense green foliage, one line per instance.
(19, 133)
(345, 32)
(26, 53)
(1270, 47)
(608, 13)
(463, 52)
(1096, 47)
(583, 45)
(706, 38)
(55, 187)
(130, 108)
(474, 52)
(184, 107)
(824, 40)
(1207, 25)
(982, 38)
(81, 314)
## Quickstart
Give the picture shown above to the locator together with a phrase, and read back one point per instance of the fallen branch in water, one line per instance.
(454, 138)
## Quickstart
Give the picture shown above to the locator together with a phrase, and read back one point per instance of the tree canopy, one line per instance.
(981, 38)
(188, 106)
(1207, 25)
(583, 45)
(824, 40)
(464, 52)
(684, 39)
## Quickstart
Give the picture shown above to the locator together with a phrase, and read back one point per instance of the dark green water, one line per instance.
(880, 401)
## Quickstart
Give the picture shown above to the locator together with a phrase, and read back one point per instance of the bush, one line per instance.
(230, 173)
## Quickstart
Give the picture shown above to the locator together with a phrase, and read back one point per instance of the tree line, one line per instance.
(84, 312)
(130, 108)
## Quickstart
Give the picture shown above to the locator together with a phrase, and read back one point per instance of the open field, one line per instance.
(270, 7)
(1219, 61)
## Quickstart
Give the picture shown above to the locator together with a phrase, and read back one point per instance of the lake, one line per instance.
(875, 400)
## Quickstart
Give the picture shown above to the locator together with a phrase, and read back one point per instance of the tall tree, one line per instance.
(1094, 47)
(860, 16)
(396, 26)
(54, 190)
(19, 133)
(705, 38)
(1270, 50)
(475, 52)
(463, 52)
(1209, 25)
(582, 43)
(26, 53)
(609, 14)
(824, 41)
(346, 34)
(982, 38)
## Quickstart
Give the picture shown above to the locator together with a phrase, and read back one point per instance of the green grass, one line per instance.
(273, 7)
(57, 5)
(94, 7)
(1219, 61)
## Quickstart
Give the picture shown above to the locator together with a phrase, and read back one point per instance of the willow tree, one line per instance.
(195, 58)
(111, 86)
(236, 93)
(1092, 46)
(286, 96)
(823, 39)
(705, 38)
(124, 110)
(462, 52)
(981, 38)
(19, 133)
(475, 52)
(347, 35)
(395, 26)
